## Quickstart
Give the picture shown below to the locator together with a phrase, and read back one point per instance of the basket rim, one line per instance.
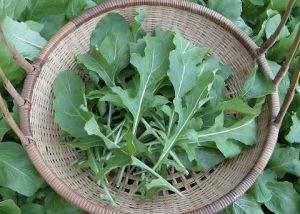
(60, 187)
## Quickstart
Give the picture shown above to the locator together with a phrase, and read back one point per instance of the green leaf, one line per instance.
(13, 72)
(260, 191)
(4, 128)
(9, 207)
(227, 138)
(258, 2)
(136, 27)
(130, 148)
(184, 61)
(74, 8)
(69, 99)
(243, 26)
(281, 5)
(244, 205)
(35, 26)
(257, 85)
(293, 136)
(26, 41)
(284, 198)
(17, 172)
(285, 160)
(159, 182)
(281, 49)
(86, 143)
(33, 209)
(92, 128)
(110, 23)
(208, 158)
(12, 8)
(111, 53)
(120, 159)
(52, 24)
(231, 9)
(37, 10)
(152, 68)
(194, 100)
(7, 193)
(55, 204)
(272, 24)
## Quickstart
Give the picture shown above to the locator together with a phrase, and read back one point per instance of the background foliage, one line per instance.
(30, 23)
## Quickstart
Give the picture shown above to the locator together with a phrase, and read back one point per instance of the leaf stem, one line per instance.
(109, 116)
(174, 156)
(116, 129)
(120, 176)
(170, 123)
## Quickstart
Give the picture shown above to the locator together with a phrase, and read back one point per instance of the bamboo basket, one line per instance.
(205, 192)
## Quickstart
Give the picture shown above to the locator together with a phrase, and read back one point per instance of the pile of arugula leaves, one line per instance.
(153, 101)
(29, 24)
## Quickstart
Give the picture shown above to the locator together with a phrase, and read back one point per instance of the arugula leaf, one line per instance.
(136, 27)
(69, 100)
(26, 41)
(108, 24)
(159, 182)
(110, 53)
(194, 100)
(226, 138)
(184, 61)
(208, 157)
(14, 163)
(152, 68)
(92, 128)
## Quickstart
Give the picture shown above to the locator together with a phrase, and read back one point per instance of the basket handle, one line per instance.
(23, 63)
(273, 38)
(6, 114)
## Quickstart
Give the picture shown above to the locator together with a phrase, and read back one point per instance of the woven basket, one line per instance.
(206, 192)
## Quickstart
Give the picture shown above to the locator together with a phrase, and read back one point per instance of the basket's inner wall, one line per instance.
(199, 190)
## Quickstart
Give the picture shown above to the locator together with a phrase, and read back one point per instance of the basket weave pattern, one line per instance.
(206, 192)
